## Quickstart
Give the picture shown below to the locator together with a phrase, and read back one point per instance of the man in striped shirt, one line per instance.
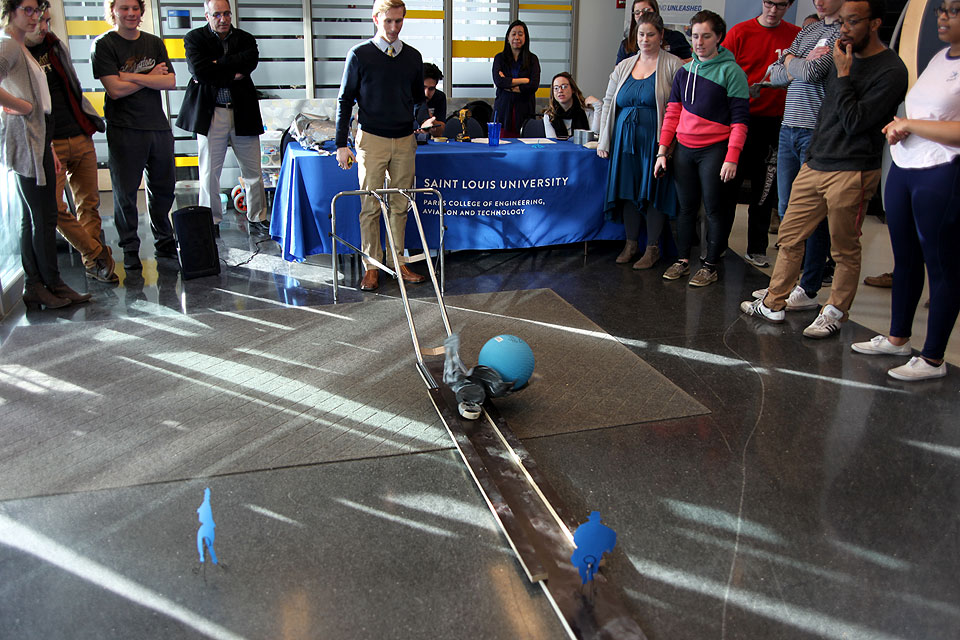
(804, 69)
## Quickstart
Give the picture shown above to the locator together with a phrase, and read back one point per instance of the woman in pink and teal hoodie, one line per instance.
(707, 113)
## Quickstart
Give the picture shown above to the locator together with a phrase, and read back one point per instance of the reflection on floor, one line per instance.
(816, 500)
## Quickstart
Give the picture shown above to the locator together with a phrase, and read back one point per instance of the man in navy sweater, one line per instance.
(384, 77)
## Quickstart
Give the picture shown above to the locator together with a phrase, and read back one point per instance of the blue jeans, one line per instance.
(790, 156)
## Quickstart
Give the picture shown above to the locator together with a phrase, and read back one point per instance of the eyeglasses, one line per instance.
(775, 5)
(953, 11)
(852, 22)
(31, 11)
(221, 14)
(640, 12)
(561, 87)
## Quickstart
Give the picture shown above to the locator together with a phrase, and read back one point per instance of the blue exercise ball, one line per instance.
(510, 357)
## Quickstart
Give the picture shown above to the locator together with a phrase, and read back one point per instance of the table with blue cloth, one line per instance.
(511, 196)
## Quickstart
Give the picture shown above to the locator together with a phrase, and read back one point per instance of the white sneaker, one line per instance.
(826, 324)
(757, 259)
(798, 300)
(757, 309)
(918, 369)
(879, 345)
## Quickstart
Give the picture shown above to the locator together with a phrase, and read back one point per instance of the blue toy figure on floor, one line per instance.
(206, 532)
(593, 539)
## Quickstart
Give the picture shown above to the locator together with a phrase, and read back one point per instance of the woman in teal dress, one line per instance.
(629, 130)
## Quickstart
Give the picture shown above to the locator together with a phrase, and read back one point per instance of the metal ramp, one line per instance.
(525, 506)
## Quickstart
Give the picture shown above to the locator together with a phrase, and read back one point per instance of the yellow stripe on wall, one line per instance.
(175, 48)
(96, 98)
(543, 92)
(546, 7)
(424, 15)
(476, 48)
(87, 27)
(188, 161)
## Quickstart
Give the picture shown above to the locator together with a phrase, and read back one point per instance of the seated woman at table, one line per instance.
(673, 41)
(436, 104)
(568, 109)
(516, 74)
(632, 115)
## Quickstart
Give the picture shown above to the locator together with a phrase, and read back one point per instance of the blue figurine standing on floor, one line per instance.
(593, 539)
(206, 532)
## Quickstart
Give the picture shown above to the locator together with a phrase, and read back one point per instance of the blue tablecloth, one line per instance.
(507, 197)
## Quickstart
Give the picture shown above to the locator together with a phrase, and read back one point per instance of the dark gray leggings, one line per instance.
(697, 172)
(631, 222)
(38, 226)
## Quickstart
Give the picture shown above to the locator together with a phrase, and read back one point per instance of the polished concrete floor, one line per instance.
(818, 499)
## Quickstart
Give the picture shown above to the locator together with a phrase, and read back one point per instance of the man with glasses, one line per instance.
(221, 106)
(134, 68)
(75, 122)
(842, 168)
(756, 44)
(803, 69)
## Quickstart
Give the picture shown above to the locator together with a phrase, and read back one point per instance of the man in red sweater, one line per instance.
(756, 44)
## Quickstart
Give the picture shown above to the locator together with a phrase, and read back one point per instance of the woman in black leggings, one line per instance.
(26, 128)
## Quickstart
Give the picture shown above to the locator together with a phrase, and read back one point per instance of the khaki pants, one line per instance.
(380, 158)
(211, 151)
(841, 197)
(79, 160)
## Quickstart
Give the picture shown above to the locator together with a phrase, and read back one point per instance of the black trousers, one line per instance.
(697, 172)
(758, 162)
(38, 225)
(131, 153)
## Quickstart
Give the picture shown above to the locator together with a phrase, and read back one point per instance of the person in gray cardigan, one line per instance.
(75, 123)
(25, 140)
(629, 129)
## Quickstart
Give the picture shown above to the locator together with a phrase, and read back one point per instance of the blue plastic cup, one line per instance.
(493, 134)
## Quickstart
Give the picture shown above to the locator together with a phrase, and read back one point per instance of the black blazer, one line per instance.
(210, 69)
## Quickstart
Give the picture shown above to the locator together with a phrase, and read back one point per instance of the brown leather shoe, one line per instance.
(371, 280)
(61, 290)
(411, 276)
(884, 280)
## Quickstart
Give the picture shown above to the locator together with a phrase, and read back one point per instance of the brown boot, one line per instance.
(371, 279)
(36, 296)
(61, 290)
(650, 258)
(629, 250)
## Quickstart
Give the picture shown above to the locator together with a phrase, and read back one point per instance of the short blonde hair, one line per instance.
(108, 6)
(382, 6)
